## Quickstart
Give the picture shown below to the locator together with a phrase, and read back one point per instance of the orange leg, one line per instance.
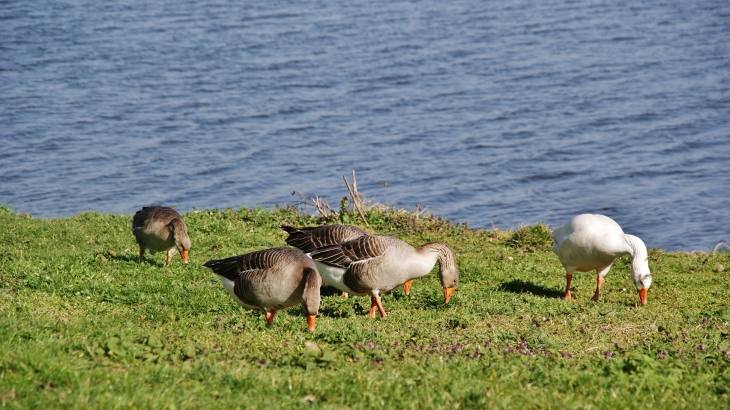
(375, 302)
(168, 258)
(599, 282)
(141, 253)
(568, 278)
(373, 306)
(270, 317)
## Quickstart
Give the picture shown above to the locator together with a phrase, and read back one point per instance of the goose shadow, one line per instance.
(520, 286)
(123, 258)
(135, 259)
(329, 291)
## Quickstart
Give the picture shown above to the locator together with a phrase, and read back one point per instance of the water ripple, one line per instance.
(496, 114)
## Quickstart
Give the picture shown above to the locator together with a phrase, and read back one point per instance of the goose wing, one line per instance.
(358, 250)
(235, 266)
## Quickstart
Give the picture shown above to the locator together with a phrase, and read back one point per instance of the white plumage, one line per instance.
(589, 242)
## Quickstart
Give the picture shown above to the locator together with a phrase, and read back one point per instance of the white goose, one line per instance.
(375, 264)
(310, 238)
(271, 280)
(589, 242)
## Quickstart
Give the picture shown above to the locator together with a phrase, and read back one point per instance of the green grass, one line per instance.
(83, 325)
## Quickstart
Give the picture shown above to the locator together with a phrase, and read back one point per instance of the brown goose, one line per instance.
(159, 229)
(271, 280)
(310, 238)
(375, 264)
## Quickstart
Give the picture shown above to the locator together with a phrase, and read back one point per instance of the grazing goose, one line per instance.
(375, 264)
(589, 242)
(159, 229)
(311, 238)
(271, 280)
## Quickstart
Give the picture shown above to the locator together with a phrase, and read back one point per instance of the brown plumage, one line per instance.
(161, 229)
(313, 237)
(310, 238)
(375, 264)
(271, 280)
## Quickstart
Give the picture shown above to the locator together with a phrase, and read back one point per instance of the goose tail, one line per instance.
(228, 268)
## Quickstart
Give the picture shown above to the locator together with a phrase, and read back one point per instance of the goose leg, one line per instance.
(141, 252)
(269, 317)
(375, 302)
(345, 295)
(599, 281)
(373, 306)
(168, 258)
(568, 278)
(407, 287)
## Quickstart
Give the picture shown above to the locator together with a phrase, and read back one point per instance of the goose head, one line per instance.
(448, 272)
(182, 240)
(642, 279)
(639, 266)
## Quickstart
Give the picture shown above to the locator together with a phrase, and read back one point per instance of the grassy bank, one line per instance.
(83, 325)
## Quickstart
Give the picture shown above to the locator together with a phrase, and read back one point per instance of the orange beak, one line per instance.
(184, 255)
(310, 322)
(642, 295)
(407, 287)
(447, 294)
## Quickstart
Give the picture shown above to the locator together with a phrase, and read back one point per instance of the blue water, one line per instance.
(492, 113)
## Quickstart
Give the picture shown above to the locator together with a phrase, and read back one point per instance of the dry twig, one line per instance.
(322, 207)
(355, 196)
(717, 246)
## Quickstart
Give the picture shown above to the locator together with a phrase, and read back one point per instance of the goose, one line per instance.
(271, 280)
(375, 264)
(161, 229)
(310, 238)
(589, 242)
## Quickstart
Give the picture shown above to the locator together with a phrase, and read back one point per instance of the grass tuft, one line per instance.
(531, 238)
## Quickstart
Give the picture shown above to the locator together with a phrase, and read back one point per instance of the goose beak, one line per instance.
(310, 322)
(184, 255)
(642, 295)
(407, 287)
(447, 294)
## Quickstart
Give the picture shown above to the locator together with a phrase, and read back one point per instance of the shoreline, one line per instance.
(419, 213)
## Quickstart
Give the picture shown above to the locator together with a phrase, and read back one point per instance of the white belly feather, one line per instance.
(229, 285)
(334, 276)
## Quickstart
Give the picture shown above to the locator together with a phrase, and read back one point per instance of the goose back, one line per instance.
(310, 238)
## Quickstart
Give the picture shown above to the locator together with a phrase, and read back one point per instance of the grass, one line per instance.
(83, 325)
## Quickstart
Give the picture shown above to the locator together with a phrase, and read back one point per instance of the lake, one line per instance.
(492, 113)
